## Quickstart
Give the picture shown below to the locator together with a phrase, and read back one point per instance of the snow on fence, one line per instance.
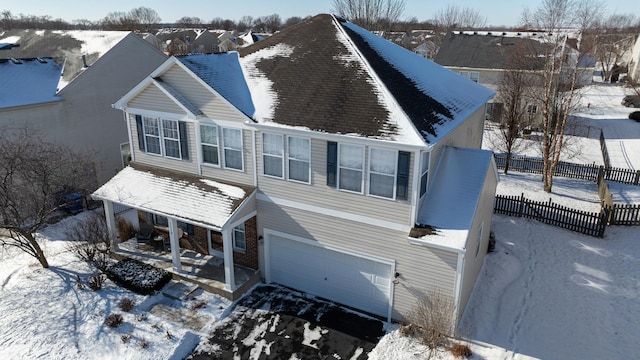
(588, 223)
(571, 170)
(605, 152)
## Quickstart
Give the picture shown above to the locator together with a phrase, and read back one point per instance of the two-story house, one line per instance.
(329, 159)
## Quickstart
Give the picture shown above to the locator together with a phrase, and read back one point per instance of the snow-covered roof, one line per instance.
(451, 203)
(223, 73)
(328, 75)
(65, 46)
(186, 197)
(28, 81)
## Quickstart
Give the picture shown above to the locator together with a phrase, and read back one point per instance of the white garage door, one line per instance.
(339, 276)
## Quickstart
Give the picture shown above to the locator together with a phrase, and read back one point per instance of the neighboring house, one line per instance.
(483, 58)
(80, 114)
(346, 167)
(634, 60)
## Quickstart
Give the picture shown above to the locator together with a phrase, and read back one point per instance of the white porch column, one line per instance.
(227, 248)
(175, 244)
(111, 224)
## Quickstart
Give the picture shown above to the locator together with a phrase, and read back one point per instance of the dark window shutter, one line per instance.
(402, 181)
(332, 163)
(184, 143)
(140, 132)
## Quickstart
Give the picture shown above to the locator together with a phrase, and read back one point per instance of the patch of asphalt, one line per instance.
(274, 322)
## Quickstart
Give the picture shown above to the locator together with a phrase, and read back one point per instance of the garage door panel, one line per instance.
(345, 278)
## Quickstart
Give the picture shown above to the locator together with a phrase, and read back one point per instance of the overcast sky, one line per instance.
(497, 12)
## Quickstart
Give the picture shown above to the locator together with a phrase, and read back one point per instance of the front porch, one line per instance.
(205, 271)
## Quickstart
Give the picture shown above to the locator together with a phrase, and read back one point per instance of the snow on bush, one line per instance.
(137, 276)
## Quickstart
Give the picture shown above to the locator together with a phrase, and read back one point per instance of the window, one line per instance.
(160, 220)
(162, 137)
(188, 229)
(532, 109)
(232, 146)
(272, 155)
(151, 135)
(471, 75)
(299, 158)
(239, 241)
(424, 173)
(209, 144)
(171, 136)
(382, 172)
(350, 167)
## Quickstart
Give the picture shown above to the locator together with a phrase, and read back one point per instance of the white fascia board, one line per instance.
(159, 114)
(213, 91)
(421, 242)
(232, 221)
(283, 129)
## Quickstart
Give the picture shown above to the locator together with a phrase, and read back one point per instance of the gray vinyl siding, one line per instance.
(213, 107)
(466, 135)
(231, 175)
(187, 166)
(319, 194)
(482, 220)
(421, 269)
(154, 99)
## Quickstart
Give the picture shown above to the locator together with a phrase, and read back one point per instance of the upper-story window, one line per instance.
(382, 172)
(162, 137)
(232, 148)
(388, 170)
(272, 155)
(299, 159)
(350, 167)
(532, 109)
(209, 144)
(424, 173)
(471, 75)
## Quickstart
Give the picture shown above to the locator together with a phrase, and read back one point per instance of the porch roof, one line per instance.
(186, 197)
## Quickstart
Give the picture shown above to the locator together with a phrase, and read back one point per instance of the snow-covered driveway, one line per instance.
(554, 294)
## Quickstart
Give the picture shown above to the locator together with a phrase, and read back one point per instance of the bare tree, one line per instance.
(515, 89)
(454, 17)
(559, 77)
(188, 21)
(291, 21)
(370, 14)
(144, 16)
(33, 174)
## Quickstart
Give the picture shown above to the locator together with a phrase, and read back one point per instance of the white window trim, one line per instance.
(422, 173)
(233, 238)
(161, 137)
(224, 147)
(178, 140)
(477, 76)
(282, 156)
(290, 158)
(200, 143)
(362, 171)
(395, 175)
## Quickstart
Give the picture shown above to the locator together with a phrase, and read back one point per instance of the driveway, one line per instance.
(274, 322)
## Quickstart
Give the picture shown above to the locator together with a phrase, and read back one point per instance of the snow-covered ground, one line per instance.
(544, 293)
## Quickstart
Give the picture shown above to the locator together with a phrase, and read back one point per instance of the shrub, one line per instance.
(125, 229)
(125, 338)
(433, 316)
(126, 304)
(635, 116)
(169, 335)
(96, 282)
(460, 350)
(90, 241)
(137, 276)
(144, 343)
(113, 320)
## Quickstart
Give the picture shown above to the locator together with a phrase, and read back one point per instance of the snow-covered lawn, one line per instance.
(45, 315)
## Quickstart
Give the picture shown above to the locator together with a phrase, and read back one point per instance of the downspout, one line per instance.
(415, 193)
(253, 157)
(392, 292)
(458, 289)
(126, 121)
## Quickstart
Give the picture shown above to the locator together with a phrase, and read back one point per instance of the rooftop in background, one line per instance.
(66, 47)
(28, 81)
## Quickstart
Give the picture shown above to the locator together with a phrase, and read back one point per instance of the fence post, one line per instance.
(521, 209)
(637, 180)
